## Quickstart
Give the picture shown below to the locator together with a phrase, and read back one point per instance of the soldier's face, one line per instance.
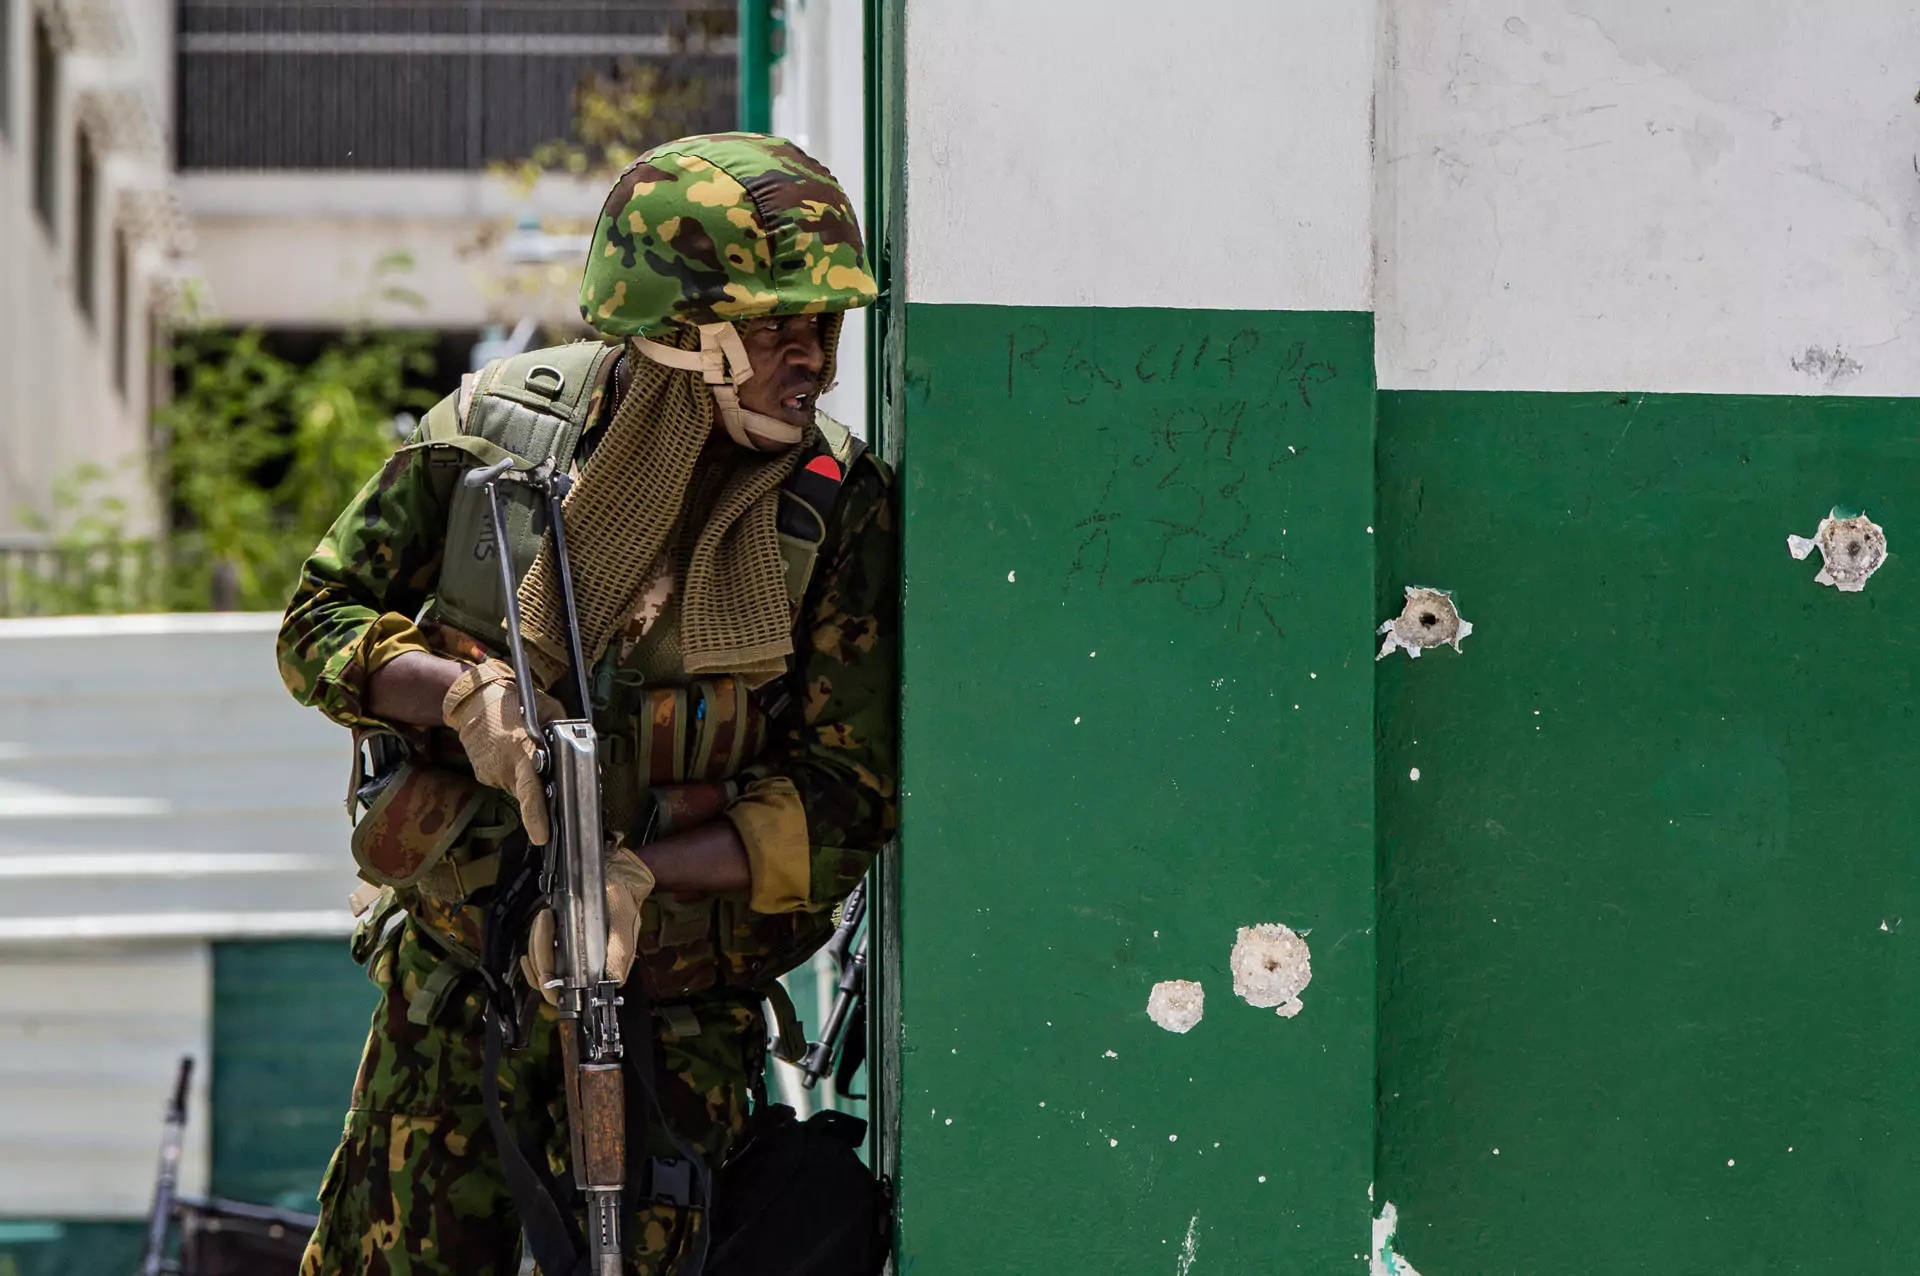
(787, 361)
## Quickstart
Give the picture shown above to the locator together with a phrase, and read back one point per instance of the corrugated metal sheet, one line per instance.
(157, 781)
(158, 790)
(88, 1046)
(319, 83)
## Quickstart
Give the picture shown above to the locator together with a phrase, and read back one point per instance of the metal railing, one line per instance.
(40, 576)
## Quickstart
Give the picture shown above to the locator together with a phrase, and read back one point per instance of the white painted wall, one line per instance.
(297, 249)
(819, 102)
(1611, 195)
(1136, 153)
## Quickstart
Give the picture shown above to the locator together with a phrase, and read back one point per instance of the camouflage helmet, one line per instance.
(722, 227)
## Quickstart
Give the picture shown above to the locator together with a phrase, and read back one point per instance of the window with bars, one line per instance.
(46, 110)
(6, 69)
(118, 316)
(427, 84)
(86, 221)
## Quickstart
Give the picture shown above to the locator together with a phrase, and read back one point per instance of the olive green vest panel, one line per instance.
(533, 407)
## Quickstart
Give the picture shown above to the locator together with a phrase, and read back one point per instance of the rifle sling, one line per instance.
(643, 1098)
(551, 1232)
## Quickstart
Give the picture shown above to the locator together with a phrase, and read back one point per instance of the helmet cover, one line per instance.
(718, 228)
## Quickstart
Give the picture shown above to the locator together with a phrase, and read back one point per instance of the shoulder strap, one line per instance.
(531, 407)
(814, 486)
(537, 403)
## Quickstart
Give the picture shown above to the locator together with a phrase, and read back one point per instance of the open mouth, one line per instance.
(801, 402)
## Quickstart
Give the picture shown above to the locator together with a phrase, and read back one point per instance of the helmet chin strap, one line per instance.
(722, 362)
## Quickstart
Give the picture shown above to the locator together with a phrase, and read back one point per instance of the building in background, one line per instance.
(316, 140)
(92, 239)
(268, 161)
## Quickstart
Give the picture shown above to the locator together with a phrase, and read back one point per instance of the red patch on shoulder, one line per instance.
(826, 465)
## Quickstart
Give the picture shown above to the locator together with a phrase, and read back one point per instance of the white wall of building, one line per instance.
(159, 790)
(1066, 154)
(61, 407)
(1719, 196)
(819, 103)
(90, 1038)
(1564, 194)
(298, 249)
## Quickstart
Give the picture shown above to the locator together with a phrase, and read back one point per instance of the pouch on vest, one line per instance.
(534, 407)
(702, 733)
(420, 812)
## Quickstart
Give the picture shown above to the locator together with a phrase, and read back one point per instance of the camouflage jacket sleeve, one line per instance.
(366, 579)
(836, 743)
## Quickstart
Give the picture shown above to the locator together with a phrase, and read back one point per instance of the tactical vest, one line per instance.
(535, 407)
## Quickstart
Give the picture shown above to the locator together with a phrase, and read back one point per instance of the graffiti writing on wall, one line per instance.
(1197, 441)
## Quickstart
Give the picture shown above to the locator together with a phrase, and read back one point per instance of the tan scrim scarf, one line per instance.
(735, 616)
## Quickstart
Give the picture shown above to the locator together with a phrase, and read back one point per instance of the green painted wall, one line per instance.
(1187, 494)
(54, 1247)
(1632, 910)
(289, 1019)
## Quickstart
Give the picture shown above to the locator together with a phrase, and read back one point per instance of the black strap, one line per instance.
(818, 487)
(643, 1097)
(551, 1232)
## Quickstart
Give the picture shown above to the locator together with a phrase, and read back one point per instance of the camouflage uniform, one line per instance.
(416, 1186)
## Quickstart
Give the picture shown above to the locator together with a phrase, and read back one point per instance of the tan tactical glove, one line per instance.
(629, 882)
(483, 705)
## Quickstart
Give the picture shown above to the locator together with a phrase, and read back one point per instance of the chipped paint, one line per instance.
(1384, 1261)
(1852, 548)
(1429, 620)
(1176, 1004)
(1271, 967)
(1190, 1247)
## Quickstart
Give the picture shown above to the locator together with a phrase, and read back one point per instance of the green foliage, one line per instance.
(262, 453)
(255, 457)
(617, 116)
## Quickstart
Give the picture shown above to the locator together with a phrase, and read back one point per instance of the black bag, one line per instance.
(795, 1199)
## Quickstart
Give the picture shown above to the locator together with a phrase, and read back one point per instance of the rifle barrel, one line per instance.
(160, 1218)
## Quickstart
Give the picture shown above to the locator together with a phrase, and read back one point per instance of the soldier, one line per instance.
(735, 556)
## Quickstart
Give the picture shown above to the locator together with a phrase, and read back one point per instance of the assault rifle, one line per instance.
(153, 1261)
(850, 958)
(573, 880)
